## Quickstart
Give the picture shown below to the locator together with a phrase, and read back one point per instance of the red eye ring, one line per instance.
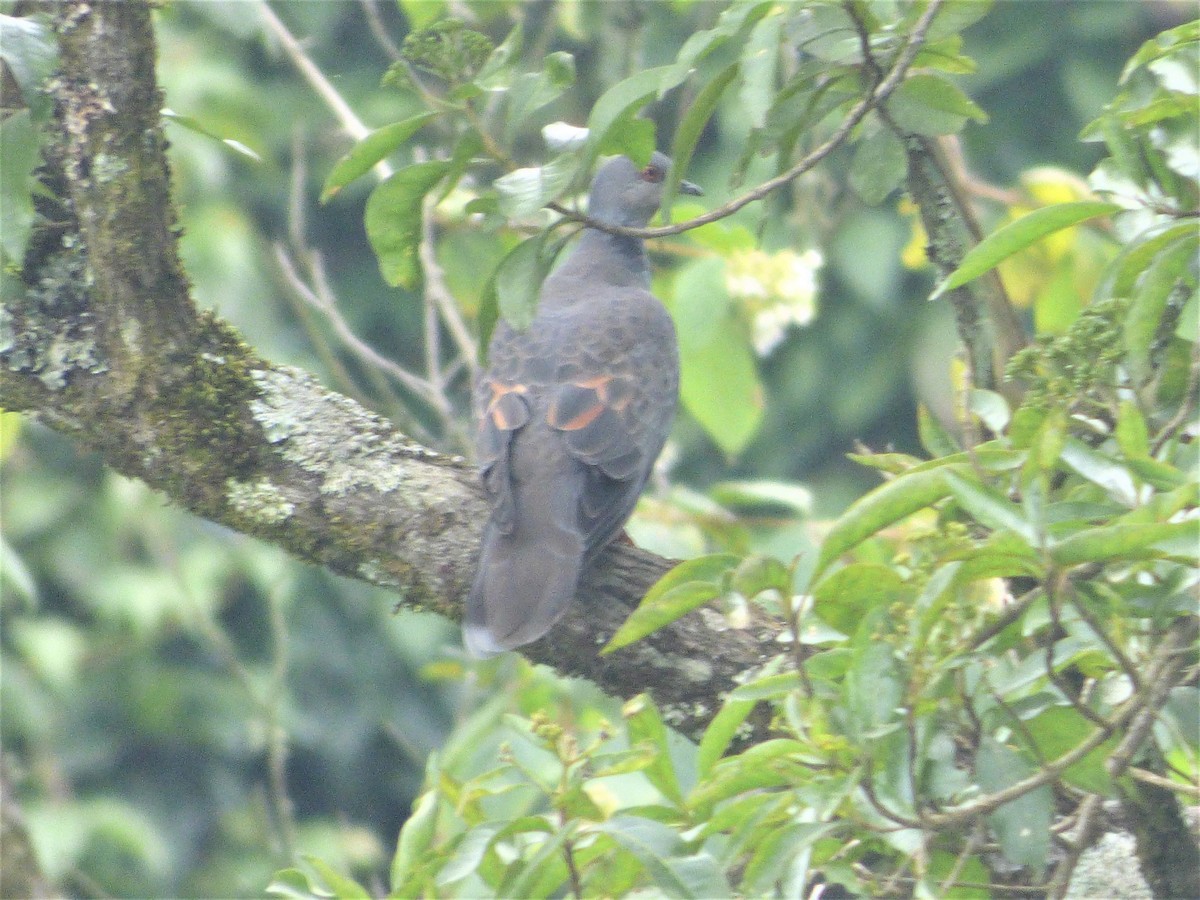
(652, 174)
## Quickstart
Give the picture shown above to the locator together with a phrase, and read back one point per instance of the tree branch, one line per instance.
(108, 347)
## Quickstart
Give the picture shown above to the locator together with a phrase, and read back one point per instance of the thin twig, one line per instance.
(316, 79)
(1139, 713)
(378, 31)
(365, 352)
(1089, 617)
(1188, 790)
(1159, 680)
(970, 847)
(276, 733)
(437, 291)
(1052, 603)
(1086, 832)
(572, 869)
(1185, 408)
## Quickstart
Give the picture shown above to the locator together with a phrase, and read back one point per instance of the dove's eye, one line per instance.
(653, 174)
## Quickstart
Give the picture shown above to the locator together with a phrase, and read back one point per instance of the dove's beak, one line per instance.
(686, 187)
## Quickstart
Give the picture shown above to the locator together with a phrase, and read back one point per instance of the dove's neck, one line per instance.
(602, 258)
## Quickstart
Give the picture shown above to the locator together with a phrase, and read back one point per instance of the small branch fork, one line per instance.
(1162, 673)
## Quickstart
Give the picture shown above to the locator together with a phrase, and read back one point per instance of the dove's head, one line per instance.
(623, 194)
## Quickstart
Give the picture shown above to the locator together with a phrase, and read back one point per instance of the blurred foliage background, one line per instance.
(184, 708)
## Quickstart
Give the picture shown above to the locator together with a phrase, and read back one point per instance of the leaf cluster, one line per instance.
(964, 656)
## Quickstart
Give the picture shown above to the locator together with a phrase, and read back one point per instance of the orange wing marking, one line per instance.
(501, 412)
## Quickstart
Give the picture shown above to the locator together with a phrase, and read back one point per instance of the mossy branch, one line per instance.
(107, 346)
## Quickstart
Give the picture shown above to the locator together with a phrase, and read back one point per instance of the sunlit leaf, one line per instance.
(415, 838)
(524, 191)
(1016, 236)
(843, 597)
(657, 847)
(646, 726)
(1127, 541)
(884, 506)
(193, 124)
(720, 734)
(689, 585)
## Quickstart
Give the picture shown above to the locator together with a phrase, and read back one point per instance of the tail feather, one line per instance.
(528, 577)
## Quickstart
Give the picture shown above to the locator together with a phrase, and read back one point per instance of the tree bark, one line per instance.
(107, 346)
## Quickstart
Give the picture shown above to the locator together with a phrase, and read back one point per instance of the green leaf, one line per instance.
(415, 838)
(761, 492)
(1060, 729)
(689, 585)
(1102, 470)
(720, 388)
(1022, 825)
(952, 17)
(645, 725)
(991, 408)
(690, 128)
(296, 884)
(1131, 433)
(879, 167)
(772, 687)
(469, 853)
(421, 13)
(776, 852)
(884, 506)
(1122, 274)
(497, 70)
(19, 151)
(620, 102)
(1016, 236)
(393, 220)
(535, 90)
(31, 54)
(758, 573)
(936, 440)
(989, 508)
(518, 281)
(634, 137)
(524, 191)
(622, 762)
(719, 382)
(873, 689)
(939, 590)
(732, 23)
(760, 766)
(719, 734)
(541, 875)
(931, 105)
(370, 150)
(1170, 265)
(1114, 543)
(343, 886)
(843, 597)
(194, 125)
(759, 61)
(656, 846)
